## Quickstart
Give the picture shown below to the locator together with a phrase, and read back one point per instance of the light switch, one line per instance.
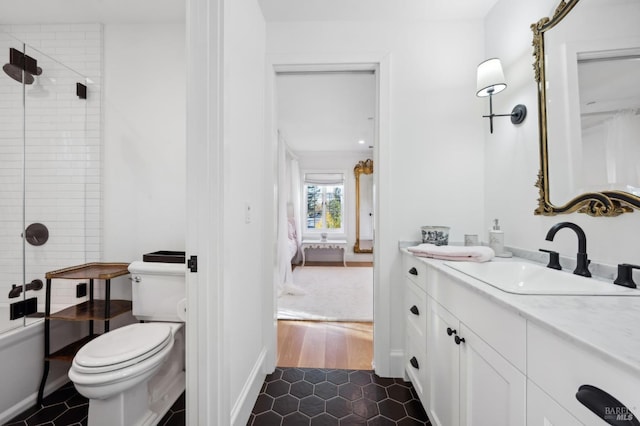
(247, 212)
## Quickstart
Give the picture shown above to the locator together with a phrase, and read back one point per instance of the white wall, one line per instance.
(436, 131)
(144, 139)
(512, 161)
(244, 281)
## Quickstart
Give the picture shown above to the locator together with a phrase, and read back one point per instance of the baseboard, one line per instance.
(243, 406)
(32, 399)
(334, 263)
(396, 362)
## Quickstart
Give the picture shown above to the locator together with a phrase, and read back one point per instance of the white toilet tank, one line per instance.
(158, 292)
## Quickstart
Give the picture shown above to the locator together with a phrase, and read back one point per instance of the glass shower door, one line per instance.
(11, 182)
(58, 170)
(49, 173)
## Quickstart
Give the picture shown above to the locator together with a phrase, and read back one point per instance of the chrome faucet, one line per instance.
(582, 262)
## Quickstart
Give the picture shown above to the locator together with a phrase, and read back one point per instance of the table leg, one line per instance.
(303, 259)
(47, 325)
(107, 304)
(344, 256)
(91, 331)
(45, 373)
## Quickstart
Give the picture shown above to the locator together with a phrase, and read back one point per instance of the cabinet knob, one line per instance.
(414, 310)
(451, 331)
(605, 406)
(459, 340)
(414, 363)
(413, 271)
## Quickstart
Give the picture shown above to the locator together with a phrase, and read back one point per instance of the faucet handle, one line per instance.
(554, 259)
(625, 275)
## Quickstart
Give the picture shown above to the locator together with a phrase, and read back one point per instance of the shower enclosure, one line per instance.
(49, 179)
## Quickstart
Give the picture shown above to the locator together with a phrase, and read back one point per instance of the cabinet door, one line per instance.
(444, 357)
(492, 391)
(542, 410)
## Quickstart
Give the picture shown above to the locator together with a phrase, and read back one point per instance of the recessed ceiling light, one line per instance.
(361, 141)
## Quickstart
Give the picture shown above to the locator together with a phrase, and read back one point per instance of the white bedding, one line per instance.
(293, 248)
(292, 242)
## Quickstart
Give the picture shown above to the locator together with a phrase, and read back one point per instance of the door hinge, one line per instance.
(192, 263)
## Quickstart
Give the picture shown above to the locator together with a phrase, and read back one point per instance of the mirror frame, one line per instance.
(600, 204)
(363, 167)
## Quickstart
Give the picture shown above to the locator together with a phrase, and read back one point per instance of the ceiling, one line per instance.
(373, 10)
(90, 11)
(327, 111)
(131, 11)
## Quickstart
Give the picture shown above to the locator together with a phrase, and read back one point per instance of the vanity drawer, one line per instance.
(415, 304)
(415, 269)
(560, 367)
(416, 360)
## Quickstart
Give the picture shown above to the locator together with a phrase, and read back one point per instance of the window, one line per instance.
(324, 202)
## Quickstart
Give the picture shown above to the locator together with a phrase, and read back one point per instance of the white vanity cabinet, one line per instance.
(495, 358)
(475, 352)
(471, 383)
(559, 367)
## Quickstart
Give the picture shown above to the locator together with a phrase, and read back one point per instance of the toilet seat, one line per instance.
(122, 347)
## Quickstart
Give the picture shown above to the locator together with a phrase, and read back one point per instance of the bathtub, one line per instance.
(21, 363)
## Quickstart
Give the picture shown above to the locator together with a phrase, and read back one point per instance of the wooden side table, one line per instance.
(90, 310)
(329, 244)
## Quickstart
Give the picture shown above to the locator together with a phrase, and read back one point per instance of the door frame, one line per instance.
(380, 64)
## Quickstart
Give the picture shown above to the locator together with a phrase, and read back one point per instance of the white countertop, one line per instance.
(607, 326)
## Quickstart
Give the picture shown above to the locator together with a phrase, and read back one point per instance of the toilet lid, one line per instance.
(123, 347)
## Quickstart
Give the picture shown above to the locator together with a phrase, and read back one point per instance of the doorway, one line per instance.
(326, 122)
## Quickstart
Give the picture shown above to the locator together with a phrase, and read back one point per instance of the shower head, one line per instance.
(16, 73)
(21, 67)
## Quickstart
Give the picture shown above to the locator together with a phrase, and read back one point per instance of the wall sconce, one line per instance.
(490, 82)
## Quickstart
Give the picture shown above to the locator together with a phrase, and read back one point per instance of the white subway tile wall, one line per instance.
(62, 156)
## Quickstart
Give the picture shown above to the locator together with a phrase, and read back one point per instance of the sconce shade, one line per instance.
(490, 78)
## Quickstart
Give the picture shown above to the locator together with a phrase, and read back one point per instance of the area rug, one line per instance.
(331, 294)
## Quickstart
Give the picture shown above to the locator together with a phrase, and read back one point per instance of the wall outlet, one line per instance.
(81, 290)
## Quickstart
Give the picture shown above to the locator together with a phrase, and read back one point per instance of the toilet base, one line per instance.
(133, 408)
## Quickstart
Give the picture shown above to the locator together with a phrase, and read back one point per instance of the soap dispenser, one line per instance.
(496, 240)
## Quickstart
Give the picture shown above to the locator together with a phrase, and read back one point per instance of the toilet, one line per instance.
(133, 374)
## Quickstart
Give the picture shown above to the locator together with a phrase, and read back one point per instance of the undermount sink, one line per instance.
(529, 278)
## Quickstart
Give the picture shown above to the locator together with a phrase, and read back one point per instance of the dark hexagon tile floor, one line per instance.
(66, 407)
(289, 396)
(312, 396)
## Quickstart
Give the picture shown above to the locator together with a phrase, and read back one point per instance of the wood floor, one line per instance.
(317, 344)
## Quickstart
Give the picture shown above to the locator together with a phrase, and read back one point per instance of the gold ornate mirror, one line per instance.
(588, 78)
(364, 207)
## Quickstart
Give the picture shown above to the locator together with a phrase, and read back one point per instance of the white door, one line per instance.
(492, 391)
(444, 355)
